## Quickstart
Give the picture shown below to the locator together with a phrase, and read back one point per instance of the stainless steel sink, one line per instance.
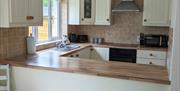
(68, 47)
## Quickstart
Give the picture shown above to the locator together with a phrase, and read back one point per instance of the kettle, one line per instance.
(73, 38)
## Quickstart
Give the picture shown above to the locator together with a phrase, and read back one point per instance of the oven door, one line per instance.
(123, 55)
(152, 41)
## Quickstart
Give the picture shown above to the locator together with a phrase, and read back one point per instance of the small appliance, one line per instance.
(153, 40)
(82, 38)
(73, 38)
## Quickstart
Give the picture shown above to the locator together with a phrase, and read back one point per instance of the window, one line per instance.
(50, 30)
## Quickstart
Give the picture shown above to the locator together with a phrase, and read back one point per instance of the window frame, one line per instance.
(59, 30)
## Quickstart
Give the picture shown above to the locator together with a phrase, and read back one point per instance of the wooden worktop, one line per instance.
(114, 45)
(129, 46)
(49, 60)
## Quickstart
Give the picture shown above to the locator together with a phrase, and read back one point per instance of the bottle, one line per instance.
(31, 45)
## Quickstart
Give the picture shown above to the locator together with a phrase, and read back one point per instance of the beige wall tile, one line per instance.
(12, 41)
(124, 29)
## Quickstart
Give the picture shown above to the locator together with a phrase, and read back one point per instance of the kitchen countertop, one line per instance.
(113, 45)
(50, 60)
(130, 46)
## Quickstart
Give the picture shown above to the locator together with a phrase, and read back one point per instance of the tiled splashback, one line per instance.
(12, 42)
(124, 29)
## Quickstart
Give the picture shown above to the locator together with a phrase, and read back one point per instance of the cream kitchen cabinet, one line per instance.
(152, 57)
(98, 53)
(89, 12)
(81, 12)
(18, 13)
(156, 13)
(95, 53)
(151, 61)
(103, 12)
(84, 53)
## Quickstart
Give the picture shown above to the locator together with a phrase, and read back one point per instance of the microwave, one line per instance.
(153, 40)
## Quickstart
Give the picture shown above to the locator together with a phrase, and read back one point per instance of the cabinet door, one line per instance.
(87, 12)
(85, 53)
(103, 12)
(74, 12)
(151, 61)
(162, 55)
(35, 11)
(100, 53)
(156, 13)
(19, 11)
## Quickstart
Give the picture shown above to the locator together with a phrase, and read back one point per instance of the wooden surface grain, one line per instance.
(50, 60)
(129, 46)
(114, 45)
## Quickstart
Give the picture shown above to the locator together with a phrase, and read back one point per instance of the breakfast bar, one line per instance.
(55, 61)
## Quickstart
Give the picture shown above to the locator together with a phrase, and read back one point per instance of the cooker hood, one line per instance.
(126, 6)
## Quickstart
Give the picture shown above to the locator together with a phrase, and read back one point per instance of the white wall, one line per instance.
(26, 79)
(175, 65)
(173, 12)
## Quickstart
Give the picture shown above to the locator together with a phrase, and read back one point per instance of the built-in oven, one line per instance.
(123, 55)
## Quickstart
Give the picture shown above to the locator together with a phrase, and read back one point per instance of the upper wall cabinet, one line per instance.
(156, 13)
(89, 12)
(18, 13)
(103, 12)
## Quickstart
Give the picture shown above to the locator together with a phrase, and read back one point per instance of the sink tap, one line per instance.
(60, 44)
(66, 40)
(63, 43)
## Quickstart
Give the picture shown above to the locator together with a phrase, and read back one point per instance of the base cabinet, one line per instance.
(85, 53)
(143, 56)
(26, 79)
(95, 53)
(151, 61)
(98, 53)
(152, 57)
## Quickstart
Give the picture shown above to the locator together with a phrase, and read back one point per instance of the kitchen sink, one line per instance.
(68, 47)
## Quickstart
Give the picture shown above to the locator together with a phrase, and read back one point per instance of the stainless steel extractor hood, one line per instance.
(126, 6)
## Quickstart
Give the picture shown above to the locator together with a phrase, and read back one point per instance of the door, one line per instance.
(35, 10)
(103, 12)
(156, 13)
(87, 12)
(19, 11)
(100, 53)
(74, 12)
(85, 53)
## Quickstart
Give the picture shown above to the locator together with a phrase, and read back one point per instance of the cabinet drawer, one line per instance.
(151, 54)
(151, 61)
